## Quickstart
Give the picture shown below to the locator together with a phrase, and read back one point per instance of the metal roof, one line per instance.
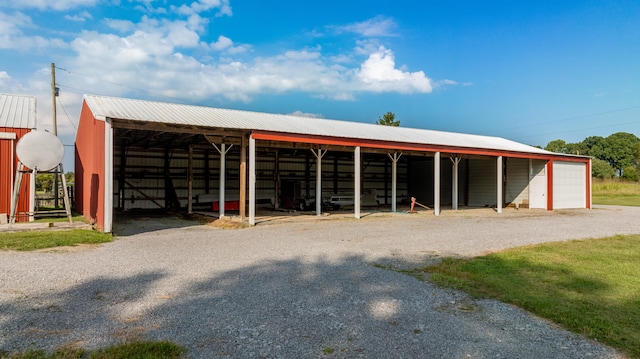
(159, 112)
(17, 111)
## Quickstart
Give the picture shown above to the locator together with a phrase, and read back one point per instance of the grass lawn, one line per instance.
(591, 287)
(616, 192)
(28, 241)
(140, 349)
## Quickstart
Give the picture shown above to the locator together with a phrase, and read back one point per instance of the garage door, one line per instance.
(569, 185)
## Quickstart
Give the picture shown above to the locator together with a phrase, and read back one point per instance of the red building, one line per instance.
(137, 155)
(17, 118)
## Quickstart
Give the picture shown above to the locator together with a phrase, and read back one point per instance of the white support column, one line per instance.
(223, 169)
(356, 169)
(190, 181)
(436, 184)
(223, 177)
(499, 184)
(394, 179)
(108, 177)
(319, 154)
(32, 196)
(252, 180)
(454, 183)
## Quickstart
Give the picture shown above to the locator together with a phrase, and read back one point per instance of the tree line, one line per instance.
(617, 155)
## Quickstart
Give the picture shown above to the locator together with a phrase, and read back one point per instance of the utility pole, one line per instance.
(54, 94)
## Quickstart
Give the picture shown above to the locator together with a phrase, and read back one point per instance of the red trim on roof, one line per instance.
(402, 146)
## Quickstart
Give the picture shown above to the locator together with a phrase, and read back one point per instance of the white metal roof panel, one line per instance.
(17, 111)
(160, 112)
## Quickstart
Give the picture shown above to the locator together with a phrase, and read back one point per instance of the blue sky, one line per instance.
(529, 71)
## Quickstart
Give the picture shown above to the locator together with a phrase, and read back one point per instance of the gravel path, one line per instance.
(303, 287)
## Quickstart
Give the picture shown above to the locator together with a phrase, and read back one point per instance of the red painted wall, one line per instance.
(89, 167)
(8, 166)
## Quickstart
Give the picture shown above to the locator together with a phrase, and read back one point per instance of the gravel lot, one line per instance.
(299, 287)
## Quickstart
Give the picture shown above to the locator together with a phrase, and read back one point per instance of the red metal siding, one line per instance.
(8, 166)
(89, 167)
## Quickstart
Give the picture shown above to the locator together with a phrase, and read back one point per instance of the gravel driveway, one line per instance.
(292, 288)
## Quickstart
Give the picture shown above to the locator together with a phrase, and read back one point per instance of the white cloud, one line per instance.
(379, 74)
(378, 26)
(12, 37)
(82, 17)
(170, 58)
(226, 44)
(197, 7)
(50, 4)
(306, 114)
(122, 26)
(8, 84)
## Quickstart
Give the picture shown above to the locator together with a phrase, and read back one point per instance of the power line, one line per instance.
(572, 118)
(65, 112)
(117, 84)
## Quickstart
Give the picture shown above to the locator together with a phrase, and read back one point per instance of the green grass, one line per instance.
(28, 241)
(591, 287)
(134, 350)
(616, 192)
(74, 217)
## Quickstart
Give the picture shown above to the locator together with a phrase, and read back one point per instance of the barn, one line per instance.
(17, 118)
(145, 155)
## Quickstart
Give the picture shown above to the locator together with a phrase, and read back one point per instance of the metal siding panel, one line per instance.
(482, 182)
(17, 111)
(517, 186)
(7, 172)
(569, 185)
(8, 166)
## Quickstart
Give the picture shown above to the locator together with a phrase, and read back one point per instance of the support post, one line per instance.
(67, 204)
(54, 94)
(319, 154)
(190, 181)
(589, 203)
(108, 175)
(549, 185)
(252, 180)
(454, 183)
(223, 177)
(394, 179)
(499, 184)
(356, 169)
(436, 184)
(276, 180)
(243, 178)
(16, 193)
(223, 172)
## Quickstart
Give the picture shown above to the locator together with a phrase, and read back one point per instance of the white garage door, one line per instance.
(569, 185)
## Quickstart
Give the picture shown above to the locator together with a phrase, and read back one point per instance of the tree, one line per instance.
(69, 177)
(630, 173)
(601, 169)
(557, 146)
(388, 119)
(620, 150)
(44, 182)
